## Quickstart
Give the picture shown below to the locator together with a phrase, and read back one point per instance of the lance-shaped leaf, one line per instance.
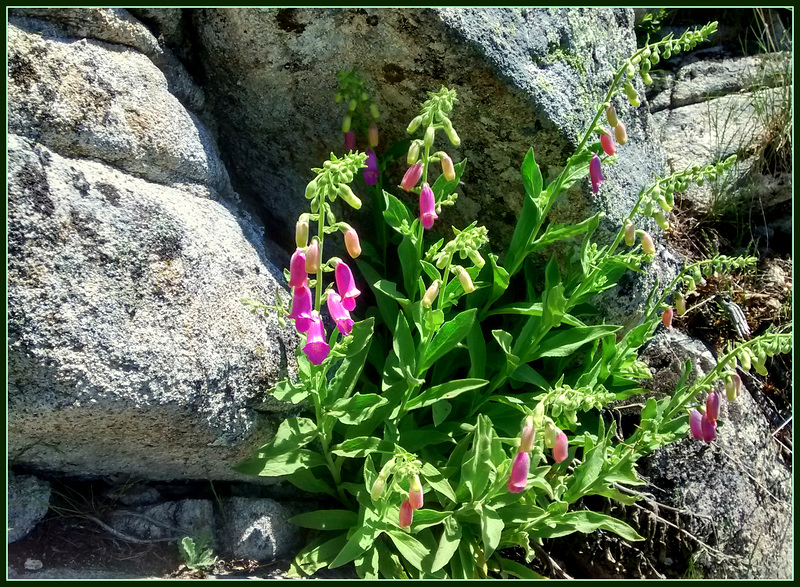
(409, 547)
(491, 529)
(474, 473)
(350, 369)
(362, 446)
(316, 555)
(357, 408)
(448, 544)
(359, 542)
(283, 464)
(286, 391)
(447, 338)
(563, 343)
(447, 390)
(326, 520)
(443, 188)
(533, 309)
(428, 518)
(396, 214)
(292, 434)
(586, 522)
(528, 218)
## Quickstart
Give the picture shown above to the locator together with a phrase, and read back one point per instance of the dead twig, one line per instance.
(554, 566)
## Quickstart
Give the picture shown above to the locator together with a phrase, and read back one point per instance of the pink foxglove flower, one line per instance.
(527, 435)
(607, 143)
(709, 429)
(696, 425)
(346, 286)
(406, 514)
(312, 256)
(666, 317)
(341, 316)
(427, 207)
(430, 294)
(350, 140)
(561, 448)
(301, 308)
(297, 269)
(595, 173)
(415, 497)
(316, 348)
(712, 406)
(519, 472)
(352, 243)
(411, 177)
(371, 173)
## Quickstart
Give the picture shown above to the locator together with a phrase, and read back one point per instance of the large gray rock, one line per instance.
(129, 349)
(525, 77)
(28, 502)
(736, 491)
(173, 519)
(259, 529)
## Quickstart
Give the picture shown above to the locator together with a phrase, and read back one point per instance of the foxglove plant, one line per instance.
(424, 397)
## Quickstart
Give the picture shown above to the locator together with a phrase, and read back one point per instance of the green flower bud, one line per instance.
(647, 79)
(373, 109)
(414, 124)
(697, 275)
(413, 153)
(744, 359)
(429, 136)
(311, 189)
(690, 284)
(550, 433)
(662, 201)
(353, 105)
(348, 196)
(667, 52)
(346, 123)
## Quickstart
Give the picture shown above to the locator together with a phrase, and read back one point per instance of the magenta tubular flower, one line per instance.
(346, 286)
(696, 425)
(415, 493)
(712, 406)
(608, 144)
(406, 514)
(297, 269)
(427, 207)
(709, 429)
(666, 317)
(561, 448)
(301, 308)
(371, 173)
(316, 348)
(341, 316)
(350, 140)
(519, 472)
(411, 177)
(595, 173)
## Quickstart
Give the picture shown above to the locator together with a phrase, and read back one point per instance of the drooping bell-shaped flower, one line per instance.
(427, 207)
(647, 243)
(346, 286)
(411, 177)
(406, 514)
(301, 308)
(297, 269)
(316, 348)
(607, 143)
(666, 317)
(630, 233)
(448, 170)
(372, 134)
(680, 304)
(352, 242)
(595, 173)
(430, 294)
(371, 173)
(341, 316)
(465, 279)
(621, 133)
(611, 115)
(415, 497)
(350, 140)
(709, 429)
(712, 406)
(301, 232)
(561, 448)
(550, 433)
(527, 435)
(312, 256)
(733, 386)
(519, 472)
(696, 425)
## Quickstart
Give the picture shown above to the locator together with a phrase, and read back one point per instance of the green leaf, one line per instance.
(528, 218)
(357, 408)
(352, 365)
(500, 280)
(443, 188)
(520, 571)
(286, 391)
(588, 521)
(390, 290)
(448, 544)
(386, 305)
(505, 340)
(292, 434)
(447, 338)
(279, 465)
(491, 529)
(359, 542)
(403, 343)
(427, 518)
(563, 343)
(447, 390)
(368, 565)
(534, 309)
(362, 446)
(316, 555)
(438, 481)
(556, 232)
(396, 213)
(474, 474)
(526, 374)
(476, 345)
(440, 411)
(326, 520)
(390, 564)
(588, 471)
(305, 480)
(409, 263)
(520, 513)
(409, 547)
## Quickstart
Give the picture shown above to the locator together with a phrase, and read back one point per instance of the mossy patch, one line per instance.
(561, 53)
